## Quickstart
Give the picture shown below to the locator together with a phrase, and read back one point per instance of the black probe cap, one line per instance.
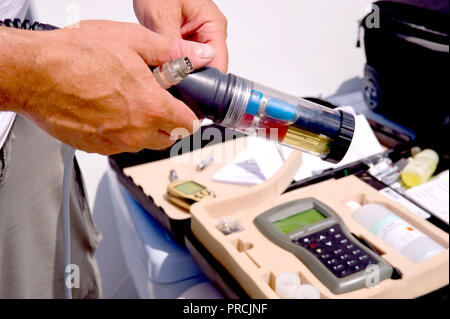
(341, 142)
(207, 92)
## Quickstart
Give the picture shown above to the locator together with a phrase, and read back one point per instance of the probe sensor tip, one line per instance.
(173, 72)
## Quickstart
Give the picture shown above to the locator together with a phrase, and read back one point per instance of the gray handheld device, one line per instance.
(314, 233)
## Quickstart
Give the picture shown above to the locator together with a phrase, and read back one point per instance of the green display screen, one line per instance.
(189, 188)
(299, 220)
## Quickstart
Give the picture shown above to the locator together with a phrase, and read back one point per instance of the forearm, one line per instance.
(18, 54)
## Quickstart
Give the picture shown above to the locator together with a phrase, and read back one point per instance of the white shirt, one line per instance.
(10, 9)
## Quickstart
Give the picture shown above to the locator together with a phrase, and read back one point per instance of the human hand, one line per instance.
(92, 88)
(195, 20)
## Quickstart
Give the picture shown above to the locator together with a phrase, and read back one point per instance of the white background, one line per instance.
(302, 47)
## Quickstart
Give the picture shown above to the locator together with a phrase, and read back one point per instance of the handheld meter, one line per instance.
(186, 193)
(315, 234)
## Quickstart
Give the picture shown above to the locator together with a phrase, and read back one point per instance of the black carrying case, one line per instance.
(406, 76)
(181, 231)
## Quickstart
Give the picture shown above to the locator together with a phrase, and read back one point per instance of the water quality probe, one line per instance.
(240, 104)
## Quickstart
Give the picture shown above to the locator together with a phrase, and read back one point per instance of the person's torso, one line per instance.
(10, 9)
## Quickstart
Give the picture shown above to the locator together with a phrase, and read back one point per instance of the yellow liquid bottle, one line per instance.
(421, 168)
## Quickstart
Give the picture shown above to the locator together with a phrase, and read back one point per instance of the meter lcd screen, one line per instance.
(189, 188)
(299, 220)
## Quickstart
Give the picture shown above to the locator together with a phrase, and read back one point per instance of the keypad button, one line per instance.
(357, 268)
(338, 267)
(343, 258)
(325, 256)
(363, 258)
(304, 241)
(351, 262)
(333, 261)
(371, 261)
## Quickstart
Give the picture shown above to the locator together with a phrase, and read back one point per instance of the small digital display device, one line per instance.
(291, 223)
(189, 187)
(186, 193)
(316, 234)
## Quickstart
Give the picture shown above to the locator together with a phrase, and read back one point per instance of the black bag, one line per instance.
(406, 76)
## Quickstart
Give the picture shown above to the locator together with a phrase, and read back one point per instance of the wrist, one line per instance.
(18, 79)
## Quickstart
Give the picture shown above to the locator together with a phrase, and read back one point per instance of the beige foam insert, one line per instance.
(153, 177)
(255, 261)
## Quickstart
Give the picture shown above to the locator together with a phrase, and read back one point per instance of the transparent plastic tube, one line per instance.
(295, 122)
(257, 110)
(292, 121)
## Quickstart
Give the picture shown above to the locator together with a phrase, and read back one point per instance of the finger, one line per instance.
(216, 37)
(200, 54)
(158, 140)
(221, 60)
(166, 26)
(177, 116)
(155, 49)
(159, 16)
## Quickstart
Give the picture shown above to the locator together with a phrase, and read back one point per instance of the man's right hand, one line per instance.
(91, 87)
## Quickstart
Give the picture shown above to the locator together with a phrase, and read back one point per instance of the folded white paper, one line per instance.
(433, 195)
(261, 158)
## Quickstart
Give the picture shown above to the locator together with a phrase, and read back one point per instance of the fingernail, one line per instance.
(205, 51)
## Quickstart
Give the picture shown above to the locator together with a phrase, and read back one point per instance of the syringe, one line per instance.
(243, 105)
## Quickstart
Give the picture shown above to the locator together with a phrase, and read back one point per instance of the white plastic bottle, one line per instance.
(420, 168)
(396, 232)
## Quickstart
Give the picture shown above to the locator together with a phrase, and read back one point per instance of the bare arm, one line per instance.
(91, 87)
(17, 53)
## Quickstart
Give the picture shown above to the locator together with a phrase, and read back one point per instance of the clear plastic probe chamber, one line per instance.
(292, 121)
(254, 109)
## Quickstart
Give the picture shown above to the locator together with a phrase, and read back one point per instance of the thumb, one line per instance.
(156, 49)
(200, 54)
